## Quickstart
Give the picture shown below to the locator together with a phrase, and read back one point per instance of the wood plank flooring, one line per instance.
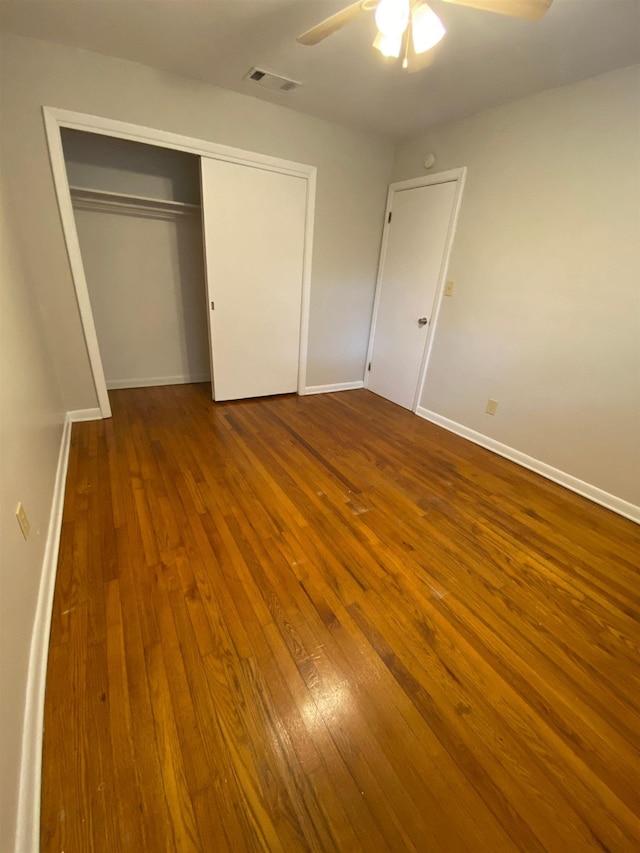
(324, 624)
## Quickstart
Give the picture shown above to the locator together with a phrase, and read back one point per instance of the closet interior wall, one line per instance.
(138, 216)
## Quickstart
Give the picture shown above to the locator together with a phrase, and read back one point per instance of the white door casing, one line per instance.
(254, 233)
(414, 258)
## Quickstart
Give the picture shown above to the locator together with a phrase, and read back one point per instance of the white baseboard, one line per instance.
(593, 493)
(28, 818)
(79, 415)
(145, 382)
(329, 389)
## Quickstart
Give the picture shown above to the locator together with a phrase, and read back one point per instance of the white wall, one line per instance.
(546, 261)
(147, 288)
(31, 416)
(353, 173)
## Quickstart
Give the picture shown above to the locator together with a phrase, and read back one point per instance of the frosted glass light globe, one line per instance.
(389, 47)
(427, 28)
(392, 17)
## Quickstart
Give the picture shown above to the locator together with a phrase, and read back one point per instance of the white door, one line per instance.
(254, 228)
(417, 241)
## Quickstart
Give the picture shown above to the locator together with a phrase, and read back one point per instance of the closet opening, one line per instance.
(137, 211)
(139, 208)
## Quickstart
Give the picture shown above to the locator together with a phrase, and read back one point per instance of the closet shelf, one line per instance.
(87, 199)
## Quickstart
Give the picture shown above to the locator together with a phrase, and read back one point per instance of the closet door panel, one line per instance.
(254, 226)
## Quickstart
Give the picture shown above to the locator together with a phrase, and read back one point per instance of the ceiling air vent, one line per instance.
(267, 80)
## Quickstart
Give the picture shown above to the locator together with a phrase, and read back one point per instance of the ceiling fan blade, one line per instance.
(532, 10)
(331, 25)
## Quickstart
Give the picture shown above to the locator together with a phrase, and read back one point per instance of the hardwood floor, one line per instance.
(324, 624)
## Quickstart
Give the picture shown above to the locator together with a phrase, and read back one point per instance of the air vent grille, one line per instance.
(268, 80)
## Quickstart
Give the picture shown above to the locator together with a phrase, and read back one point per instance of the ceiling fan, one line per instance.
(410, 28)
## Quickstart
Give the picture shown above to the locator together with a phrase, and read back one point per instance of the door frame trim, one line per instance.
(55, 119)
(459, 176)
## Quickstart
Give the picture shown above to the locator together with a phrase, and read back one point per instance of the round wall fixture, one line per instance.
(429, 161)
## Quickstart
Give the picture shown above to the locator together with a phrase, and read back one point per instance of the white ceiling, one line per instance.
(484, 60)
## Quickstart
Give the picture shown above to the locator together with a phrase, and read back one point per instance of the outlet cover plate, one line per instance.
(23, 521)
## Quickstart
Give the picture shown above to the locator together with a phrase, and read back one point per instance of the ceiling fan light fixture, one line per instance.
(388, 46)
(392, 17)
(426, 27)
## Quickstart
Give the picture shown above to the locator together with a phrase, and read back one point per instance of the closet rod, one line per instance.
(87, 199)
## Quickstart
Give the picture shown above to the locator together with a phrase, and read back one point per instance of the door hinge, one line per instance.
(213, 305)
(389, 217)
(369, 368)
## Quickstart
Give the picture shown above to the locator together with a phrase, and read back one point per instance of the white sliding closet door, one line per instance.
(254, 230)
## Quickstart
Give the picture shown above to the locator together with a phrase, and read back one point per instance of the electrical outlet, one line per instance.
(449, 288)
(492, 407)
(23, 521)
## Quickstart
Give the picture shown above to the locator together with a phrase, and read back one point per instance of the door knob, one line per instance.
(423, 321)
